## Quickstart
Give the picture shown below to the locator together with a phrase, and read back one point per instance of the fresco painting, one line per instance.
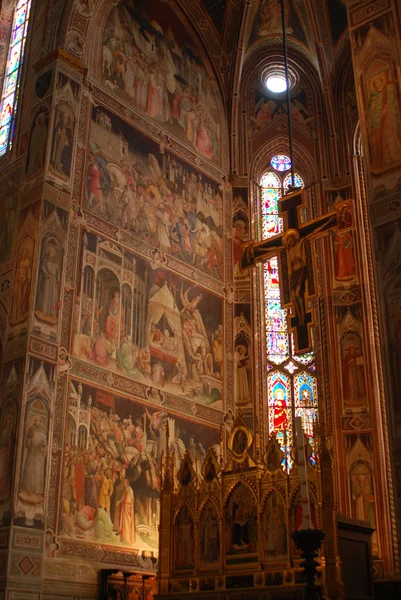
(383, 115)
(142, 187)
(48, 296)
(375, 50)
(25, 253)
(148, 324)
(268, 21)
(9, 193)
(112, 466)
(37, 142)
(8, 425)
(269, 108)
(149, 59)
(240, 225)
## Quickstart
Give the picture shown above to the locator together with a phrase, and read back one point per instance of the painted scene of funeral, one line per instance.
(144, 322)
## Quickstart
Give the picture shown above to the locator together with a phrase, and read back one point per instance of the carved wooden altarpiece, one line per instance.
(225, 532)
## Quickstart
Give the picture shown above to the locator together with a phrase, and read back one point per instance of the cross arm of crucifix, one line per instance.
(318, 226)
(252, 252)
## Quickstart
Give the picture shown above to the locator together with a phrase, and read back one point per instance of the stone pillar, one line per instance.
(34, 361)
(376, 52)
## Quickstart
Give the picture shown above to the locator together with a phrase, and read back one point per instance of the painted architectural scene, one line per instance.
(148, 324)
(150, 60)
(113, 462)
(142, 187)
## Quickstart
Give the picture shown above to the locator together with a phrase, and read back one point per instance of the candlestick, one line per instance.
(299, 433)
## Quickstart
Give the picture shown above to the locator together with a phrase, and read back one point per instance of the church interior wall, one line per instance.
(122, 303)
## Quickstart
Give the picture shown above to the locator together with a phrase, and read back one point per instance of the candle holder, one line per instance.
(309, 542)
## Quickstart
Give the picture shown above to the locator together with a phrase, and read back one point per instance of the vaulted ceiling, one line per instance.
(216, 9)
(318, 29)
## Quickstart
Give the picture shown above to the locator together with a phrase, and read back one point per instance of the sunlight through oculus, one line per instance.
(276, 84)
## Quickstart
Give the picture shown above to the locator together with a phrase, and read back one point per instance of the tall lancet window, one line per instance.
(291, 383)
(12, 74)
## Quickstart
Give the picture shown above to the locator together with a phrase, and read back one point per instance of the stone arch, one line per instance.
(260, 57)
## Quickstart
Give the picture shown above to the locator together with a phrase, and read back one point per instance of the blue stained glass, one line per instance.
(9, 97)
(18, 34)
(20, 17)
(288, 179)
(11, 82)
(281, 162)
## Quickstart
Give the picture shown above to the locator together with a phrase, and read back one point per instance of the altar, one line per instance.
(226, 533)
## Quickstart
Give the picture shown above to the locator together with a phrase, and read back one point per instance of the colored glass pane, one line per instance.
(9, 98)
(298, 383)
(281, 162)
(306, 406)
(288, 179)
(271, 221)
(271, 180)
(280, 410)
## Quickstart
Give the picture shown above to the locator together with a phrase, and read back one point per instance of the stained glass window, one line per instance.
(12, 75)
(291, 380)
(288, 181)
(281, 162)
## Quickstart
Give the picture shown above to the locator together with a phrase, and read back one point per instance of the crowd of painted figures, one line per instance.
(160, 77)
(111, 484)
(163, 201)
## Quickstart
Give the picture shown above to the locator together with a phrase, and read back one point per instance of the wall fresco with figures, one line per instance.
(112, 465)
(150, 60)
(136, 318)
(268, 21)
(380, 92)
(142, 187)
(9, 194)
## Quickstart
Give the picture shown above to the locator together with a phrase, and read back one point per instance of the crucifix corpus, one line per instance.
(295, 251)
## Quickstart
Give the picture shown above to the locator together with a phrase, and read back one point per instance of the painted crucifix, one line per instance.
(295, 251)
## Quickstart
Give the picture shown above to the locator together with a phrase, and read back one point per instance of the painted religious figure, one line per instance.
(37, 143)
(22, 283)
(241, 522)
(149, 60)
(34, 469)
(383, 120)
(210, 538)
(184, 546)
(62, 141)
(8, 208)
(363, 500)
(275, 528)
(354, 387)
(7, 434)
(127, 518)
(241, 359)
(114, 319)
(344, 262)
(47, 303)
